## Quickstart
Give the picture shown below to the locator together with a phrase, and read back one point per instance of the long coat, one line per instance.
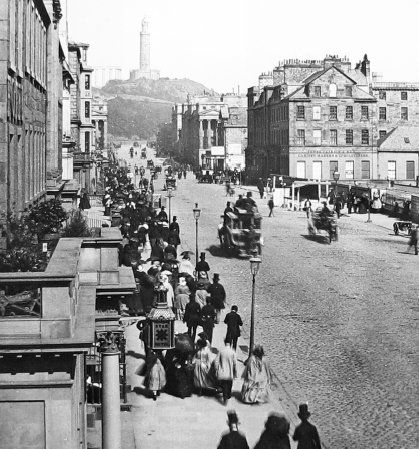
(225, 364)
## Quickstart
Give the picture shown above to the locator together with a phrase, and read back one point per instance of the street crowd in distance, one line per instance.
(150, 246)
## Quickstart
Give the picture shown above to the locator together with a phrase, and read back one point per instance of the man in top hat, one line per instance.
(234, 322)
(202, 265)
(233, 439)
(218, 296)
(162, 216)
(306, 433)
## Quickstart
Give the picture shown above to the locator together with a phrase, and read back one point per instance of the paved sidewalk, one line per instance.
(176, 423)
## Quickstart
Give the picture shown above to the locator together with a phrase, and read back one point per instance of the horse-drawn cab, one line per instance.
(241, 232)
(206, 176)
(150, 164)
(169, 183)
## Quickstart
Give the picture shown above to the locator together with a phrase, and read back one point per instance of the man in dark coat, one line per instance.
(233, 321)
(208, 318)
(218, 296)
(192, 317)
(174, 232)
(233, 439)
(306, 433)
(202, 265)
(162, 216)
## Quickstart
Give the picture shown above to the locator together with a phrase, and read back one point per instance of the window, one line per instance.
(333, 113)
(348, 91)
(365, 137)
(333, 137)
(317, 91)
(87, 141)
(301, 169)
(349, 113)
(365, 169)
(410, 169)
(317, 169)
(87, 109)
(349, 169)
(317, 136)
(300, 112)
(86, 82)
(333, 168)
(364, 113)
(406, 140)
(382, 133)
(301, 137)
(332, 90)
(317, 112)
(383, 113)
(349, 137)
(382, 95)
(403, 95)
(391, 169)
(404, 113)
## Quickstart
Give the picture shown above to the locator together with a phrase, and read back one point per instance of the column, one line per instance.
(111, 414)
(105, 133)
(201, 134)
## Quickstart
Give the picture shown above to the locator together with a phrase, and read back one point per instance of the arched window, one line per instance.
(332, 90)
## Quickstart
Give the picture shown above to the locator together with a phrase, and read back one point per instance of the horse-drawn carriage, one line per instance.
(324, 220)
(169, 183)
(206, 176)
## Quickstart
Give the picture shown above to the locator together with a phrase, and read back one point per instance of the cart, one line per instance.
(169, 183)
(321, 221)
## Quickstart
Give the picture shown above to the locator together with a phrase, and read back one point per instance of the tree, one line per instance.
(46, 218)
(77, 226)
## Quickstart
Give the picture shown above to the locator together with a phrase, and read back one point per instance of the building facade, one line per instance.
(309, 119)
(30, 105)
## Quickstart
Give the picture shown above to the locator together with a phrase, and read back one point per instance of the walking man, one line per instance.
(233, 321)
(226, 370)
(306, 433)
(192, 317)
(218, 296)
(208, 318)
(202, 265)
(271, 207)
(233, 439)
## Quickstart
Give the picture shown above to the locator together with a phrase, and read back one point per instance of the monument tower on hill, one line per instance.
(145, 71)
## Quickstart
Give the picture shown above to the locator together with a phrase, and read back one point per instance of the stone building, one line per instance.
(31, 80)
(308, 119)
(205, 129)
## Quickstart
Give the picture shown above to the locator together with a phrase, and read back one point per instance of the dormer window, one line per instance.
(348, 91)
(317, 91)
(332, 90)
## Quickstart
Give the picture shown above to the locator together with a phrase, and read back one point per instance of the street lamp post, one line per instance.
(254, 268)
(170, 196)
(196, 214)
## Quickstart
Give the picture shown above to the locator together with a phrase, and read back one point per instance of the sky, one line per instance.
(224, 44)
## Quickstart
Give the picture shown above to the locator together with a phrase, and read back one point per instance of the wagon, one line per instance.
(321, 221)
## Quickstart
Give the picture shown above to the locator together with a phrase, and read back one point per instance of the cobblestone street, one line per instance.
(339, 321)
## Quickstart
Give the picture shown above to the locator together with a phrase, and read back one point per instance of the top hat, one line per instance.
(303, 411)
(216, 276)
(202, 254)
(232, 417)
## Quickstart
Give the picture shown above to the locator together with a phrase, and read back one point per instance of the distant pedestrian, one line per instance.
(155, 378)
(413, 241)
(202, 265)
(338, 206)
(202, 362)
(261, 188)
(233, 439)
(192, 317)
(307, 207)
(306, 433)
(257, 377)
(208, 318)
(225, 366)
(84, 202)
(218, 295)
(271, 207)
(234, 322)
(275, 435)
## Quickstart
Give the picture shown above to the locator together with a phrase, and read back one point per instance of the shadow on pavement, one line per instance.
(136, 355)
(323, 239)
(217, 251)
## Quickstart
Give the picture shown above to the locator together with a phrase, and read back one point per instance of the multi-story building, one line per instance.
(30, 105)
(82, 128)
(201, 128)
(309, 119)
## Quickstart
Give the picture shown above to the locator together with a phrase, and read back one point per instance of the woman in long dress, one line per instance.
(182, 294)
(203, 380)
(257, 378)
(155, 378)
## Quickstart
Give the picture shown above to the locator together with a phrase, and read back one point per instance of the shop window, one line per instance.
(365, 137)
(364, 113)
(391, 169)
(365, 170)
(383, 113)
(316, 112)
(300, 113)
(349, 169)
(349, 137)
(317, 136)
(333, 167)
(410, 169)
